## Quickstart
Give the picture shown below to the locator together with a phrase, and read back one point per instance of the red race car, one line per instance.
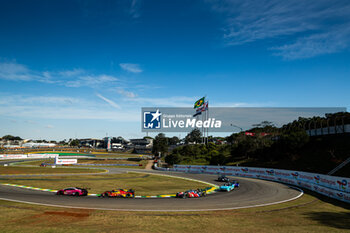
(119, 193)
(192, 193)
(73, 192)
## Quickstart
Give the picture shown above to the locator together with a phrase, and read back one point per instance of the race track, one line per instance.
(252, 192)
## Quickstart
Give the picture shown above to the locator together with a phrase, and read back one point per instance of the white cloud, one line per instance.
(240, 104)
(135, 8)
(314, 25)
(71, 73)
(69, 78)
(57, 107)
(18, 72)
(110, 102)
(30, 122)
(176, 101)
(14, 71)
(133, 68)
(184, 101)
(91, 80)
(32, 109)
(127, 94)
(314, 45)
(38, 100)
(70, 113)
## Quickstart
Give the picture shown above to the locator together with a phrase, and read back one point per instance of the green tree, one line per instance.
(294, 140)
(174, 140)
(195, 136)
(232, 138)
(160, 144)
(74, 143)
(173, 158)
(216, 157)
(11, 138)
(63, 142)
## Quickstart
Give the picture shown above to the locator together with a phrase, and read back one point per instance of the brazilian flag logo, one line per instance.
(199, 103)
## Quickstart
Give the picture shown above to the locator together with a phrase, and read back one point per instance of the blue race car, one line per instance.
(229, 186)
(235, 183)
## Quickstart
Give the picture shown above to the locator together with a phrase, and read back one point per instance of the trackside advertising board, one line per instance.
(331, 186)
(42, 155)
(13, 156)
(65, 161)
(27, 156)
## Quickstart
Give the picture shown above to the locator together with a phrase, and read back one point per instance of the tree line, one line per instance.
(264, 143)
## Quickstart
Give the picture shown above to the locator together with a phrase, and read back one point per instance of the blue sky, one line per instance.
(85, 68)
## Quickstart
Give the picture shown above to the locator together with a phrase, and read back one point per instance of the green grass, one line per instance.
(92, 161)
(36, 162)
(143, 184)
(107, 161)
(306, 214)
(45, 170)
(142, 162)
(195, 162)
(65, 153)
(6, 160)
(116, 155)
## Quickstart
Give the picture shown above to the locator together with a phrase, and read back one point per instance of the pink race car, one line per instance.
(73, 192)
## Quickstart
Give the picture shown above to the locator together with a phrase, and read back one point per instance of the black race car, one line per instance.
(223, 178)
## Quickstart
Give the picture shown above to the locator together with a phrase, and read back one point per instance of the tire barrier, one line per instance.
(331, 186)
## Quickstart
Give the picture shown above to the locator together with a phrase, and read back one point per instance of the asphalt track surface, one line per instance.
(251, 193)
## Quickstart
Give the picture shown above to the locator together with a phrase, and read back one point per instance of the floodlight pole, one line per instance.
(237, 127)
(207, 114)
(203, 134)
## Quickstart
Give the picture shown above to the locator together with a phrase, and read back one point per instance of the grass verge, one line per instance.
(13, 170)
(35, 162)
(143, 163)
(306, 214)
(115, 155)
(93, 161)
